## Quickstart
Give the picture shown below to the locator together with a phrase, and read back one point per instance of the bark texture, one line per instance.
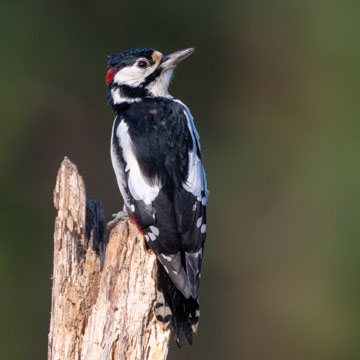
(104, 293)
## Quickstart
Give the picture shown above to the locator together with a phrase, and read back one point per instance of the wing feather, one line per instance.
(174, 225)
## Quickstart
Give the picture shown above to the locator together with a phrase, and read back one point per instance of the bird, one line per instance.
(156, 156)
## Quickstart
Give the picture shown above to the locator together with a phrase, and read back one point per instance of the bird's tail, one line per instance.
(174, 310)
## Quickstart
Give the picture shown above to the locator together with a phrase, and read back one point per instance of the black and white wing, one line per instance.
(173, 222)
(194, 209)
(134, 187)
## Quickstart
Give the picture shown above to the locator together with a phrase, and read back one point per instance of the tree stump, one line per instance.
(103, 293)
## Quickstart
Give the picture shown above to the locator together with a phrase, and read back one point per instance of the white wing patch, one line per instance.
(196, 180)
(139, 187)
(119, 171)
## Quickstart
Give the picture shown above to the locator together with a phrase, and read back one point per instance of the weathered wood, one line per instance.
(103, 294)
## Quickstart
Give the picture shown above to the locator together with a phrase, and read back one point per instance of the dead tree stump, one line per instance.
(103, 293)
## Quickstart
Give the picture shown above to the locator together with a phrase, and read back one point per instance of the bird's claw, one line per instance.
(120, 216)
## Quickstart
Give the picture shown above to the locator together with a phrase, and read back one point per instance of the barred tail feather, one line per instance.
(174, 310)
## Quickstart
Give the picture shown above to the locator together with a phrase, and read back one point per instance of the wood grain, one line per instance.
(103, 293)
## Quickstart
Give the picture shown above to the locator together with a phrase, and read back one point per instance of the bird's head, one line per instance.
(140, 72)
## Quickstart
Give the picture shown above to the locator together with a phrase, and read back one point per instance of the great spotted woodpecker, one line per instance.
(155, 152)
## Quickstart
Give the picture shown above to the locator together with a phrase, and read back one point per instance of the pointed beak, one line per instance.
(171, 60)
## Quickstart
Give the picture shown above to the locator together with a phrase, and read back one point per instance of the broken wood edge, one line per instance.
(104, 292)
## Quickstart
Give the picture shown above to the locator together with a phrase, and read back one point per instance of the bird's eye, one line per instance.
(142, 64)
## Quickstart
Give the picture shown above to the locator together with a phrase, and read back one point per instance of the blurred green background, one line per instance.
(273, 87)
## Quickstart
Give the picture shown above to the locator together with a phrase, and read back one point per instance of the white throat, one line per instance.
(160, 86)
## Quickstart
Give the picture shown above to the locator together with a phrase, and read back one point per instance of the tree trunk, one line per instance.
(103, 293)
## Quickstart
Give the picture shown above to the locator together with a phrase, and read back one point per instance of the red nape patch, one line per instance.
(136, 224)
(110, 76)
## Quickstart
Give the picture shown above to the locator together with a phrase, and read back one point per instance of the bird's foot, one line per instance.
(120, 216)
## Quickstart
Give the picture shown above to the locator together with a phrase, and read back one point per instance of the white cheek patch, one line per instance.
(132, 75)
(129, 75)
